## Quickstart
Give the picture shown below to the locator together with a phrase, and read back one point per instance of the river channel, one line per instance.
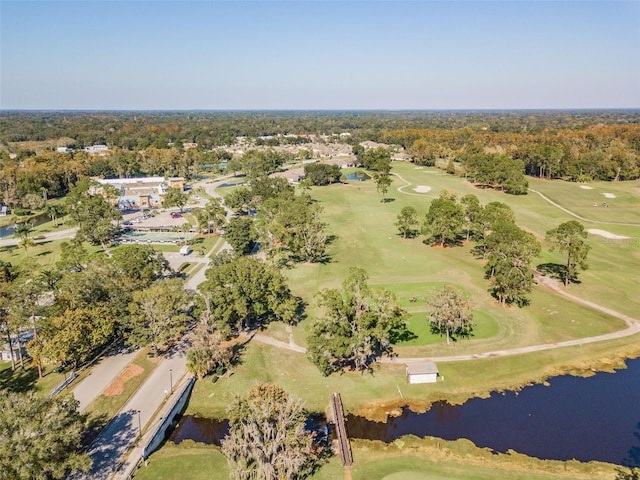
(594, 418)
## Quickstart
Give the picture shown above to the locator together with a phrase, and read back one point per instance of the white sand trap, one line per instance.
(609, 195)
(586, 187)
(422, 189)
(605, 234)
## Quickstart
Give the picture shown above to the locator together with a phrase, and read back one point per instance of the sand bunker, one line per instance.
(609, 195)
(605, 234)
(586, 187)
(422, 189)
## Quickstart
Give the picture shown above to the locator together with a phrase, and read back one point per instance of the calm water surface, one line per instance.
(595, 418)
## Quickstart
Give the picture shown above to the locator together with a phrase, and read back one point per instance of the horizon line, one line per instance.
(242, 110)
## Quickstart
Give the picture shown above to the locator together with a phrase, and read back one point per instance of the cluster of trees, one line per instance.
(40, 437)
(360, 324)
(86, 301)
(579, 146)
(322, 173)
(555, 147)
(291, 229)
(507, 249)
(259, 163)
(497, 171)
(245, 292)
(138, 130)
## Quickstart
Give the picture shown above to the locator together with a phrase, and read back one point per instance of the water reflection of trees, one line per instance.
(632, 459)
(445, 412)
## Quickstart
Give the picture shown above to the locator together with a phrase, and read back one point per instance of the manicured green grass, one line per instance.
(22, 380)
(580, 200)
(363, 234)
(196, 461)
(406, 459)
(187, 461)
(485, 327)
(382, 391)
(434, 459)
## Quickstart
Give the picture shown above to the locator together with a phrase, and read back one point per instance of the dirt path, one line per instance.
(633, 327)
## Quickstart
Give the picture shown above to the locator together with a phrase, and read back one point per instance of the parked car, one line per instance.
(175, 215)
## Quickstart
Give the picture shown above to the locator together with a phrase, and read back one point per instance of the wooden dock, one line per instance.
(343, 439)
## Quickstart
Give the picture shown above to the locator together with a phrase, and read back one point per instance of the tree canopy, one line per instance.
(174, 197)
(408, 222)
(360, 324)
(159, 314)
(246, 293)
(292, 228)
(267, 439)
(569, 238)
(510, 253)
(450, 313)
(444, 220)
(40, 437)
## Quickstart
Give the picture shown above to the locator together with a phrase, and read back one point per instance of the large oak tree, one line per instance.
(40, 437)
(246, 293)
(267, 439)
(360, 324)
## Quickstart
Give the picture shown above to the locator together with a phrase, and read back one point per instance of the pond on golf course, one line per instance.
(594, 418)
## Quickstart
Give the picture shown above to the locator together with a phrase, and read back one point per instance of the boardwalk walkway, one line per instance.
(341, 431)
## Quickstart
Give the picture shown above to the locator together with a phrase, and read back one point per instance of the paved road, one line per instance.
(68, 233)
(101, 375)
(122, 432)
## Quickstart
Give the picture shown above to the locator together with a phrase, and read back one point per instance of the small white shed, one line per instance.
(426, 372)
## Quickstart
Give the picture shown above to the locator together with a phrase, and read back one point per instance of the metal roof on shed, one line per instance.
(421, 368)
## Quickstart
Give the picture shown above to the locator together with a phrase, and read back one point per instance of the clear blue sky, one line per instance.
(319, 55)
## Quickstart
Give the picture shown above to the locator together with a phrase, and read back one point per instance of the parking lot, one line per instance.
(161, 220)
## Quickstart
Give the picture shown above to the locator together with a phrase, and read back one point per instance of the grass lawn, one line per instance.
(433, 459)
(485, 327)
(22, 380)
(362, 233)
(579, 198)
(406, 459)
(380, 393)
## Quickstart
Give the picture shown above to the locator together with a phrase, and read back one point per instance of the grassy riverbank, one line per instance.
(407, 459)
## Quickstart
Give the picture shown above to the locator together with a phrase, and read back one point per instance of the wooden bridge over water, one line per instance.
(344, 447)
